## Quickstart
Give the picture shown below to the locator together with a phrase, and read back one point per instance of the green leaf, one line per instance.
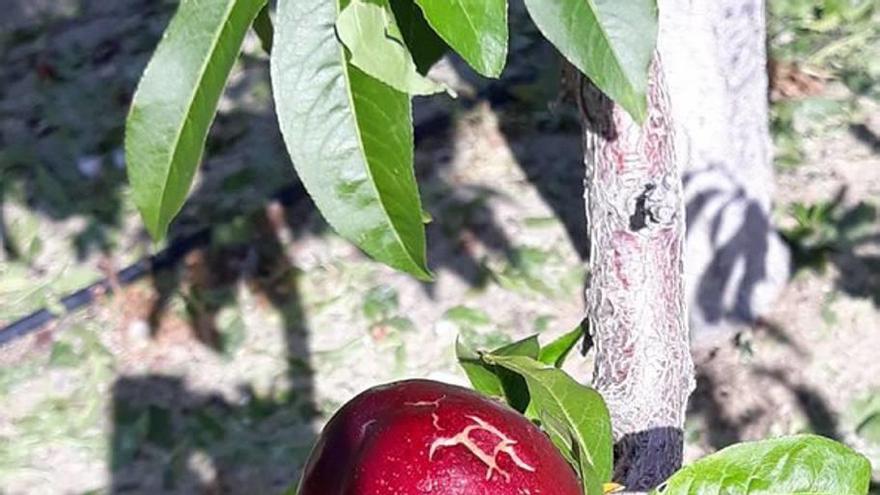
(476, 29)
(796, 465)
(610, 41)
(498, 382)
(377, 47)
(350, 137)
(263, 27)
(563, 438)
(864, 415)
(176, 100)
(482, 376)
(555, 352)
(589, 478)
(465, 317)
(580, 409)
(528, 347)
(423, 43)
(516, 392)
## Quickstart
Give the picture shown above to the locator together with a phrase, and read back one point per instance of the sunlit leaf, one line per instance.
(611, 41)
(376, 46)
(556, 351)
(494, 381)
(475, 29)
(571, 406)
(176, 100)
(797, 465)
(350, 137)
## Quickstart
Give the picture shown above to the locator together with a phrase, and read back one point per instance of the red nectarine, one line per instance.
(421, 437)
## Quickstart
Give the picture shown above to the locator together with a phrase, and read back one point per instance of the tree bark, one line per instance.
(708, 126)
(635, 296)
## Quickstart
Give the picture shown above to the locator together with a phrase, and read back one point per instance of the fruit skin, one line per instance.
(408, 438)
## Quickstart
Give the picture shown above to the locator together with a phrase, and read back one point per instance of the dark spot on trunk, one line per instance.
(639, 219)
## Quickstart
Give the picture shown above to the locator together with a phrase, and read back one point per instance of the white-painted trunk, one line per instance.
(635, 296)
(707, 125)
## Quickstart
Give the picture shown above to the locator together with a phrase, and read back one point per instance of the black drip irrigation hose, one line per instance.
(162, 260)
(168, 257)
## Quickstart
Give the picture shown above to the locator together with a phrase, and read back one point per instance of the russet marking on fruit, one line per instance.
(424, 403)
(505, 446)
(435, 418)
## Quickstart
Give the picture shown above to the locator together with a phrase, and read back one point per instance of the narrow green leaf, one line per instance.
(555, 352)
(563, 438)
(611, 41)
(263, 27)
(494, 381)
(482, 376)
(423, 43)
(581, 409)
(350, 137)
(376, 45)
(528, 347)
(475, 29)
(516, 392)
(176, 100)
(591, 481)
(796, 465)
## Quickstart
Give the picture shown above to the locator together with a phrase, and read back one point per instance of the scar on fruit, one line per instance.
(435, 419)
(424, 403)
(505, 446)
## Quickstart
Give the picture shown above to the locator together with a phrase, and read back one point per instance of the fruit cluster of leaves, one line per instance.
(343, 75)
(529, 378)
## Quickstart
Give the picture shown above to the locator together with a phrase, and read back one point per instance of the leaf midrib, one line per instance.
(357, 132)
(187, 121)
(567, 416)
(607, 38)
(535, 379)
(469, 21)
(444, 36)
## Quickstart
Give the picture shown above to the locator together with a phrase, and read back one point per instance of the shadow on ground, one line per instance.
(732, 409)
(193, 442)
(69, 70)
(844, 236)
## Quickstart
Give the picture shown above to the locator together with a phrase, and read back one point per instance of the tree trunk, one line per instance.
(635, 297)
(708, 126)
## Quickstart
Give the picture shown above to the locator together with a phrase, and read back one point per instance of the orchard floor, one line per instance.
(215, 375)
